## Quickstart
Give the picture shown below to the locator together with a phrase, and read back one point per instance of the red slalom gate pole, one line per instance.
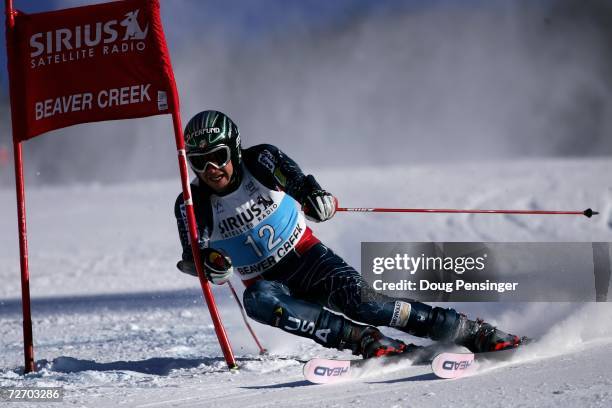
(28, 342)
(193, 236)
(587, 213)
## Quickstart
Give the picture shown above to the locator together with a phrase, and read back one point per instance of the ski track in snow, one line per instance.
(116, 324)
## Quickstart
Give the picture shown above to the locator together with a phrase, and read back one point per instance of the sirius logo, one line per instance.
(266, 202)
(87, 35)
(133, 30)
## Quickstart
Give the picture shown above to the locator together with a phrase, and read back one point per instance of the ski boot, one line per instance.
(479, 336)
(448, 326)
(375, 344)
(368, 342)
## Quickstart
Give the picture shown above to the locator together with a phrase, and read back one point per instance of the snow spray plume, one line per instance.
(561, 327)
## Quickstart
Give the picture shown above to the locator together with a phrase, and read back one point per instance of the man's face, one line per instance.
(217, 179)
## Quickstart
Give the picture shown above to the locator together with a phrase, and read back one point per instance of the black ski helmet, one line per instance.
(209, 129)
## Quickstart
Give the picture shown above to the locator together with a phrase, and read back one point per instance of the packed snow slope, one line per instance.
(116, 324)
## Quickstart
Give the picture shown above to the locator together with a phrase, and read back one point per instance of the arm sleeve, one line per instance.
(186, 264)
(277, 170)
(183, 229)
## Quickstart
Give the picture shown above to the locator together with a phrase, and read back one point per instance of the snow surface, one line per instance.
(116, 324)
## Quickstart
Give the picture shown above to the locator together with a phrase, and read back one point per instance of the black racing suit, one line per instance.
(299, 291)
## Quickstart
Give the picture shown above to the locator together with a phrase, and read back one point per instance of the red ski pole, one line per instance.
(588, 212)
(262, 350)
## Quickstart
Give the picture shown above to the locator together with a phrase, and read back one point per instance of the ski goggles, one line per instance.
(217, 157)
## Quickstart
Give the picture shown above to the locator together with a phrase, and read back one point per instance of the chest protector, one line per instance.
(255, 226)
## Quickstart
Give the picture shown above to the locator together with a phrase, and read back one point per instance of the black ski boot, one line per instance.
(479, 336)
(446, 325)
(368, 342)
(375, 344)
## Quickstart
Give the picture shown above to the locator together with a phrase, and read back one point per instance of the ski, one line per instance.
(453, 365)
(444, 364)
(449, 365)
(329, 370)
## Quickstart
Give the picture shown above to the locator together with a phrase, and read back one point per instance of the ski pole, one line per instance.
(588, 212)
(262, 350)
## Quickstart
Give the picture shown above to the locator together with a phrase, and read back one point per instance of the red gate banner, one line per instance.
(88, 64)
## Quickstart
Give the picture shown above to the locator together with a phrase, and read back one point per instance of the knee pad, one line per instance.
(261, 299)
(271, 303)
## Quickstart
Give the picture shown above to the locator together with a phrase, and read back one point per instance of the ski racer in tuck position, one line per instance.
(250, 207)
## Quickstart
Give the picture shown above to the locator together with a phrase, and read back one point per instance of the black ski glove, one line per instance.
(318, 204)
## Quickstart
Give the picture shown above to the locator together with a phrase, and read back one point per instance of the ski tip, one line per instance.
(327, 371)
(589, 212)
(448, 365)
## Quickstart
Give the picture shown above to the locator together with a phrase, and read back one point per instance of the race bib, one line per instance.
(255, 226)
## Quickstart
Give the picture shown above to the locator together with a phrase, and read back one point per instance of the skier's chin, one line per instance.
(218, 184)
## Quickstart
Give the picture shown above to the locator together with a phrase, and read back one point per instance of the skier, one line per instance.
(250, 209)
